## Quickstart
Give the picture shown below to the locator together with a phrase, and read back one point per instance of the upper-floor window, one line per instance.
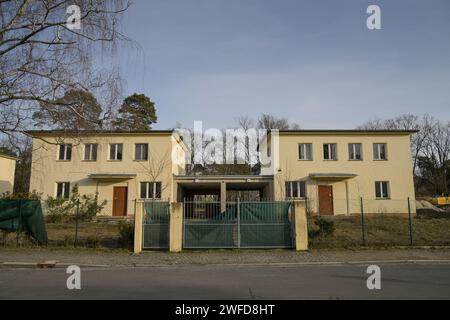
(63, 190)
(305, 151)
(382, 189)
(141, 151)
(329, 151)
(90, 151)
(379, 151)
(295, 189)
(65, 152)
(151, 190)
(115, 151)
(354, 151)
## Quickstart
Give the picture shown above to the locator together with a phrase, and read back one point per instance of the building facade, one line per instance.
(123, 168)
(7, 173)
(337, 171)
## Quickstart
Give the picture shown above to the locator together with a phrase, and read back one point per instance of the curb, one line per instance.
(287, 264)
(48, 265)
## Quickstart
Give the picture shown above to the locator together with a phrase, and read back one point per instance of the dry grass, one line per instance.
(383, 231)
(89, 235)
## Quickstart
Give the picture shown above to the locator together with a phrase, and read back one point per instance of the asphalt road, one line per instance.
(398, 281)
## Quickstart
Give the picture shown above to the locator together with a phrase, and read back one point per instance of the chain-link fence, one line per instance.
(73, 225)
(374, 222)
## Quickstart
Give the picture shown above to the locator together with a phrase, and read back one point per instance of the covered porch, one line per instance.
(223, 188)
(332, 194)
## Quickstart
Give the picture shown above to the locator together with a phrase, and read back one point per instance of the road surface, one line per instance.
(398, 281)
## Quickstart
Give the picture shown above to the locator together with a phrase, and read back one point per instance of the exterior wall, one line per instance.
(347, 192)
(7, 171)
(47, 170)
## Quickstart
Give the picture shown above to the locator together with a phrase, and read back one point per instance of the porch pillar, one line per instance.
(138, 231)
(300, 226)
(176, 227)
(223, 196)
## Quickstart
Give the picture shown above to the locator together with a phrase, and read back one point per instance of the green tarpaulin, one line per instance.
(23, 215)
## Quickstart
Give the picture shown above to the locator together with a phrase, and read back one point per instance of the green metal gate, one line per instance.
(241, 225)
(156, 225)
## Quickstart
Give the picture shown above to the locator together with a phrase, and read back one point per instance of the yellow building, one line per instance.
(124, 168)
(7, 172)
(333, 169)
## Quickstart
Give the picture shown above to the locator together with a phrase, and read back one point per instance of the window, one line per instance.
(305, 151)
(115, 151)
(354, 151)
(382, 189)
(295, 189)
(329, 151)
(151, 190)
(65, 152)
(141, 151)
(90, 151)
(379, 151)
(63, 190)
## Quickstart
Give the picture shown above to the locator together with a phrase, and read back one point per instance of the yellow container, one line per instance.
(443, 200)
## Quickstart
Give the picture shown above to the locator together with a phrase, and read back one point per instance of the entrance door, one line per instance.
(326, 200)
(120, 201)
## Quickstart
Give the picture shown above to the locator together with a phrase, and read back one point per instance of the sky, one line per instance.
(314, 62)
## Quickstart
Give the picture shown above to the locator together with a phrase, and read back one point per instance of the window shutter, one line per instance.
(158, 190)
(69, 152)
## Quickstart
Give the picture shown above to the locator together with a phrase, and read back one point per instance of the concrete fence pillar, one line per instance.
(138, 225)
(300, 226)
(176, 227)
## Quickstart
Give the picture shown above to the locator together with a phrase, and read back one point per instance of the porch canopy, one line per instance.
(332, 176)
(189, 186)
(111, 176)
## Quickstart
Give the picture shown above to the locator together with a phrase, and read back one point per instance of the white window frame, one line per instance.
(303, 146)
(353, 144)
(147, 195)
(329, 151)
(298, 195)
(377, 156)
(66, 147)
(64, 184)
(136, 145)
(388, 190)
(116, 151)
(90, 145)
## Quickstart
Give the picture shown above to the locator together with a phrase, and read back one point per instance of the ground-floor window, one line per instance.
(63, 190)
(295, 189)
(382, 189)
(151, 190)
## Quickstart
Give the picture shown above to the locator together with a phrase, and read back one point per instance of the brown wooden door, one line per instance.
(326, 200)
(120, 201)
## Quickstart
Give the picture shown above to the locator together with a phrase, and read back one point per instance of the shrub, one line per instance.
(59, 210)
(21, 195)
(325, 227)
(126, 234)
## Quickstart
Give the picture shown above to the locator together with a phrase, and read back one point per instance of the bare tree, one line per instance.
(430, 146)
(42, 58)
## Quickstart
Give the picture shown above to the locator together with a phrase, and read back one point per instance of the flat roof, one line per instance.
(222, 177)
(346, 131)
(92, 132)
(8, 156)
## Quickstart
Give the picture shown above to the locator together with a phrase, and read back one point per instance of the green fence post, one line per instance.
(238, 222)
(76, 223)
(410, 223)
(362, 223)
(19, 225)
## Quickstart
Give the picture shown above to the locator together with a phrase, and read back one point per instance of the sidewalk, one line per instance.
(214, 257)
